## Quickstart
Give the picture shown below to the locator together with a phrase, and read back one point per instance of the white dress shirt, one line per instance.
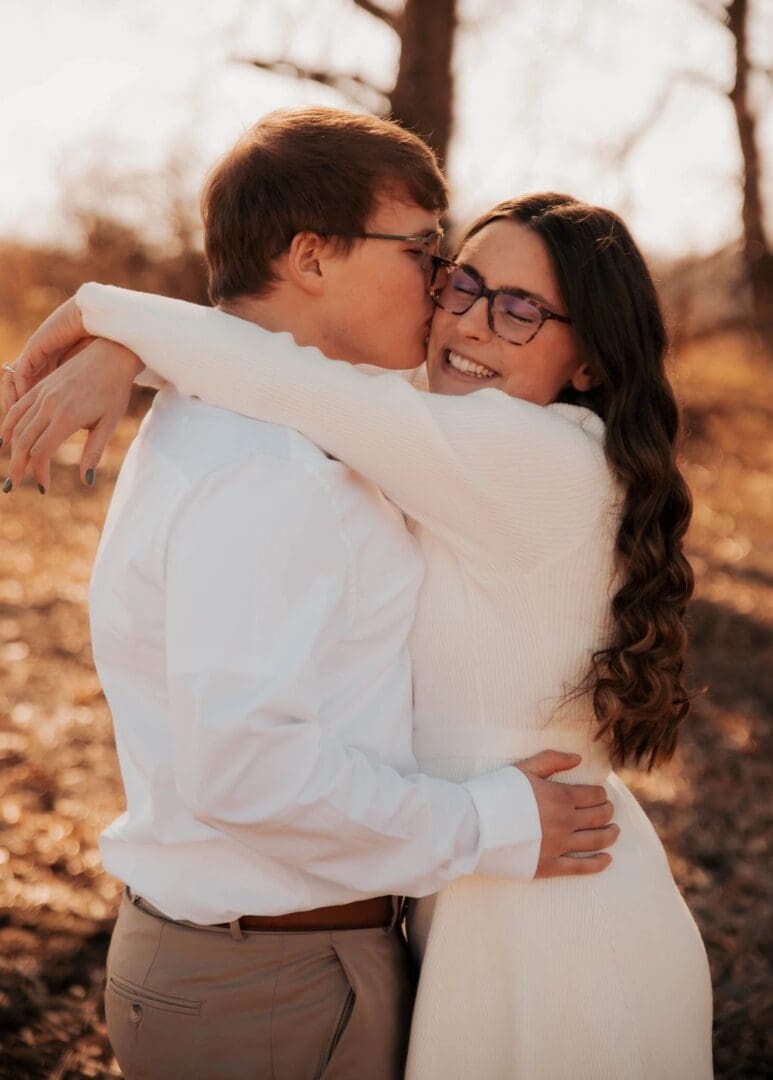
(250, 608)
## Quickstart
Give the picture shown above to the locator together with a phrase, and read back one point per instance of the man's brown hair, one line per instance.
(303, 170)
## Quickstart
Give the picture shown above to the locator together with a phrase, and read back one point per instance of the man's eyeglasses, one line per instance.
(428, 243)
(512, 314)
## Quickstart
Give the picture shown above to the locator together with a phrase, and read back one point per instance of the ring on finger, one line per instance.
(10, 368)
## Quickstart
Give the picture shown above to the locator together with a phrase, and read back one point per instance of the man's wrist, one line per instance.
(510, 833)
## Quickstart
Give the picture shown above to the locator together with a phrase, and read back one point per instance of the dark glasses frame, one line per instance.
(545, 313)
(427, 241)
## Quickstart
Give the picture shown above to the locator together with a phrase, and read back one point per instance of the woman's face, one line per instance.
(507, 255)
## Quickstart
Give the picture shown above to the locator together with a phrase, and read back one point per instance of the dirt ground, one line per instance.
(59, 782)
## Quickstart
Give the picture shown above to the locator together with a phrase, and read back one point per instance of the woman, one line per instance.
(551, 517)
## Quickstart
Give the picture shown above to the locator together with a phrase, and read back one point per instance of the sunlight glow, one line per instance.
(544, 94)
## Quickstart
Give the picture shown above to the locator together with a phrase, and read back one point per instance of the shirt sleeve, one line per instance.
(256, 595)
(497, 478)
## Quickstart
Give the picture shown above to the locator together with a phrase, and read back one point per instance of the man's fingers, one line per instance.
(548, 762)
(94, 447)
(571, 866)
(594, 817)
(586, 794)
(594, 839)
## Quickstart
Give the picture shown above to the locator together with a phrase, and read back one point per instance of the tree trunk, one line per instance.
(423, 96)
(757, 255)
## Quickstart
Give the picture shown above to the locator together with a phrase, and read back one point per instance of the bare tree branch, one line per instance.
(421, 98)
(628, 144)
(392, 19)
(758, 257)
(650, 119)
(358, 90)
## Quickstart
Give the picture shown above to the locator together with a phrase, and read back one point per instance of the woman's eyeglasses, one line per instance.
(513, 315)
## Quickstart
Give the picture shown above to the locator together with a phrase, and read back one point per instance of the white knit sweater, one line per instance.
(513, 505)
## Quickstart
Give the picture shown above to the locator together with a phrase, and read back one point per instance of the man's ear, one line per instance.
(305, 260)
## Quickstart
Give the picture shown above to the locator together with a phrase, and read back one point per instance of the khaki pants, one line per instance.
(203, 1003)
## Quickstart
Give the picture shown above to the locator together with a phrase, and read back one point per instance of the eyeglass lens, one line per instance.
(428, 252)
(514, 318)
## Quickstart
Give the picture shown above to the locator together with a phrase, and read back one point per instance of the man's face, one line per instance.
(377, 309)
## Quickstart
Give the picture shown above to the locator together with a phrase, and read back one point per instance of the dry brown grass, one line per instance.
(59, 783)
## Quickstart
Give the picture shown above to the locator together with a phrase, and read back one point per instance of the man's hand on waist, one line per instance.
(576, 819)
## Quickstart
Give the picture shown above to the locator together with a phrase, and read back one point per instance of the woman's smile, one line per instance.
(458, 364)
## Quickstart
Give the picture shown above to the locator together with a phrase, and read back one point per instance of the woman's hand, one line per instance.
(53, 342)
(91, 391)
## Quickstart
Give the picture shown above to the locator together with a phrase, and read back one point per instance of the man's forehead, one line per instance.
(401, 215)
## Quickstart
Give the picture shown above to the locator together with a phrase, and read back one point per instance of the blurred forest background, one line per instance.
(128, 224)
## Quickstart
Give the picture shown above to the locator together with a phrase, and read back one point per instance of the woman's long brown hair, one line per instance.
(637, 682)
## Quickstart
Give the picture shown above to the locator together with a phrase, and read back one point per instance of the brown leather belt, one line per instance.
(361, 915)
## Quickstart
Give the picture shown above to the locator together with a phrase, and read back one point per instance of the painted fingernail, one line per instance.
(91, 476)
(8, 485)
(41, 489)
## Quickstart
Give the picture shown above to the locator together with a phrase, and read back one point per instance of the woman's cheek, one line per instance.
(436, 332)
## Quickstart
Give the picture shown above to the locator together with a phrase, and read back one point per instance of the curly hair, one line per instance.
(637, 682)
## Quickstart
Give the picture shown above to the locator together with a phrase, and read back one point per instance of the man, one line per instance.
(250, 606)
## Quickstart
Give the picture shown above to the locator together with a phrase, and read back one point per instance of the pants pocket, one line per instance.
(372, 1037)
(153, 1035)
(339, 1029)
(144, 996)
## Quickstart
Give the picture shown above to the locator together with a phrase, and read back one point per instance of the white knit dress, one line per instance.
(590, 978)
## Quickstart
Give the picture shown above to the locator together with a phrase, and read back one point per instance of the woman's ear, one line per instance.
(304, 261)
(582, 379)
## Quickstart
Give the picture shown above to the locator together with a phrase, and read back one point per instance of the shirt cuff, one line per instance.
(510, 830)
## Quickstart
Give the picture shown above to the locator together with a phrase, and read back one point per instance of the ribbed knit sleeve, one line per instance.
(497, 478)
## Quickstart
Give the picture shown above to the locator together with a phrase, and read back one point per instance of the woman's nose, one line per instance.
(474, 321)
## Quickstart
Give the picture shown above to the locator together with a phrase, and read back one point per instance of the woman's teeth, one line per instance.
(469, 367)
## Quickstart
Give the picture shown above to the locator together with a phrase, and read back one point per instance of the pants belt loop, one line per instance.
(237, 934)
